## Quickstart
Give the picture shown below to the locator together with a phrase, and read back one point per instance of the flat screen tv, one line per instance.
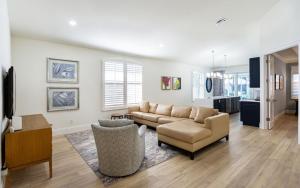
(9, 93)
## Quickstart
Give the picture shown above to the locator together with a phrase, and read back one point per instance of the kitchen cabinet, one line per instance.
(254, 72)
(250, 112)
(227, 104)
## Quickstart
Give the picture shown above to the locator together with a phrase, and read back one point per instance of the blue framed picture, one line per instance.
(60, 99)
(62, 71)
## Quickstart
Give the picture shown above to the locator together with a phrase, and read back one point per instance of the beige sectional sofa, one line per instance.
(188, 128)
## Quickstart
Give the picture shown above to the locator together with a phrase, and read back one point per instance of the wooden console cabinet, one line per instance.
(31, 145)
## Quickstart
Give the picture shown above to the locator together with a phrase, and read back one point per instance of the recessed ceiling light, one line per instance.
(72, 23)
(221, 20)
(161, 45)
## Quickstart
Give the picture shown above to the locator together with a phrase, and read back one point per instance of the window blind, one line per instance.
(122, 84)
(134, 83)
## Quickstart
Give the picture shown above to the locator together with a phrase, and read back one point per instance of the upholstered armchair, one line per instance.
(120, 146)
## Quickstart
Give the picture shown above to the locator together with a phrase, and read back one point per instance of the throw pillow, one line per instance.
(193, 112)
(144, 106)
(152, 108)
(181, 111)
(163, 109)
(203, 113)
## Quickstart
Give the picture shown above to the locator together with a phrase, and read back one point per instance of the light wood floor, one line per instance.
(252, 158)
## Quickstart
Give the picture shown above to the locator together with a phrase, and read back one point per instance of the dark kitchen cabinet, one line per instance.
(254, 72)
(227, 104)
(250, 113)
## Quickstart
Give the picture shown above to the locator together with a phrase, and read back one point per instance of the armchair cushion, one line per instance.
(115, 123)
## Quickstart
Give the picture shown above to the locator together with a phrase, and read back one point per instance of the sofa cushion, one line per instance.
(181, 111)
(152, 107)
(185, 132)
(203, 113)
(151, 117)
(163, 109)
(168, 119)
(193, 112)
(138, 114)
(144, 106)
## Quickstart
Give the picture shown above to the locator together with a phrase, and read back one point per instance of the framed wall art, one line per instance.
(281, 82)
(62, 71)
(61, 99)
(277, 80)
(166, 82)
(176, 83)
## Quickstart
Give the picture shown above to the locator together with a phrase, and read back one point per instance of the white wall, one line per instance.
(4, 57)
(29, 59)
(280, 26)
(280, 29)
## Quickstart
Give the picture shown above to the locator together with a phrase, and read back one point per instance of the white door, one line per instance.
(270, 90)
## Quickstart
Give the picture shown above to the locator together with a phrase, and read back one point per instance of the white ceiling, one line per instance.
(186, 28)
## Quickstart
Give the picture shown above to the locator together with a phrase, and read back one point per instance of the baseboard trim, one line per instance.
(290, 111)
(72, 129)
(278, 116)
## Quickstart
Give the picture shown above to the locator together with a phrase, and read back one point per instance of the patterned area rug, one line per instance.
(84, 143)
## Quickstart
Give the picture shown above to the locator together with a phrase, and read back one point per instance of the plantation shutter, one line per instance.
(134, 83)
(114, 84)
(122, 84)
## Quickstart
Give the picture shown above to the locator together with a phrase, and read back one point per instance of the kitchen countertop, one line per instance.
(249, 100)
(224, 97)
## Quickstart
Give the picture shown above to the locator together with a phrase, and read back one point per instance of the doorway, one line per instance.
(282, 78)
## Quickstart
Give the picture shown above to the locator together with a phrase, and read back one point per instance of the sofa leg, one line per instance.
(159, 143)
(227, 137)
(192, 155)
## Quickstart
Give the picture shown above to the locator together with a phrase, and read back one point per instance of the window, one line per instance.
(229, 85)
(237, 84)
(243, 87)
(295, 84)
(198, 85)
(122, 84)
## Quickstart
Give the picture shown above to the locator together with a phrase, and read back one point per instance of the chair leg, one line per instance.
(159, 143)
(227, 137)
(192, 155)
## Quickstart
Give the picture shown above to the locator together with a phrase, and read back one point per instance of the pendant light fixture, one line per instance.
(212, 74)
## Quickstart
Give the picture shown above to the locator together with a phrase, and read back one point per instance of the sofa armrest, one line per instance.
(135, 108)
(219, 124)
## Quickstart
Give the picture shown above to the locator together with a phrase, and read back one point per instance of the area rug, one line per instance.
(84, 144)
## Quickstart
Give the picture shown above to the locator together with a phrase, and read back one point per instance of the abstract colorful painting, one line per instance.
(166, 82)
(176, 83)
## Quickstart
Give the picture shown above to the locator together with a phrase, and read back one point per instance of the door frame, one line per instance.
(263, 84)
